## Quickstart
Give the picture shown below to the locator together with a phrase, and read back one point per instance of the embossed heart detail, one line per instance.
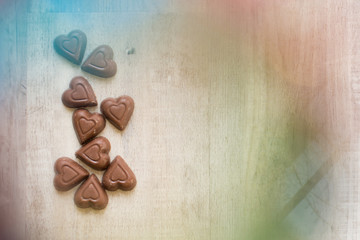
(91, 194)
(118, 110)
(68, 174)
(79, 94)
(95, 153)
(87, 125)
(100, 62)
(119, 176)
(72, 47)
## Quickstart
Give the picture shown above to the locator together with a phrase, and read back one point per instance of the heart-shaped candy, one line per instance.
(100, 62)
(68, 174)
(118, 110)
(119, 176)
(87, 125)
(95, 153)
(91, 194)
(72, 47)
(79, 94)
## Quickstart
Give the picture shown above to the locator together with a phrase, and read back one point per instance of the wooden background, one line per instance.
(216, 142)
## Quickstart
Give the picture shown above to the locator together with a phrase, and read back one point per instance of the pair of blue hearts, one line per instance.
(72, 47)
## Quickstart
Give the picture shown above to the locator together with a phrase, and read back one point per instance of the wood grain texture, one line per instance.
(12, 127)
(217, 141)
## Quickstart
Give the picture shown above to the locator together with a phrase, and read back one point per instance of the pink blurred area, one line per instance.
(301, 43)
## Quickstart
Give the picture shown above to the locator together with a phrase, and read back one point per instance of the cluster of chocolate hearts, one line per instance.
(72, 47)
(95, 150)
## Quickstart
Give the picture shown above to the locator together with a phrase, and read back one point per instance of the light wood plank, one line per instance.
(12, 127)
(230, 120)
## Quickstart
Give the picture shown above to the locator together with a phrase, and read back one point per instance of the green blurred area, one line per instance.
(259, 138)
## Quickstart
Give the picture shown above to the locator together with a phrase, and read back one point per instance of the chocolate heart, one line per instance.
(72, 47)
(87, 125)
(79, 94)
(68, 174)
(118, 110)
(100, 62)
(91, 194)
(119, 176)
(95, 153)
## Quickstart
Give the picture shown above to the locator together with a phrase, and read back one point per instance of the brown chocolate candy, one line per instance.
(95, 153)
(100, 62)
(72, 47)
(119, 176)
(87, 125)
(91, 194)
(79, 94)
(118, 110)
(68, 174)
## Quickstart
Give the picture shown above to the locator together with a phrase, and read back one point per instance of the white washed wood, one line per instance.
(192, 149)
(12, 127)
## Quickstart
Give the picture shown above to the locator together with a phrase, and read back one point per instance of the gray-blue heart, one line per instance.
(100, 62)
(71, 46)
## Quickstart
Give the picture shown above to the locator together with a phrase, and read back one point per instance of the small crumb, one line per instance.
(130, 51)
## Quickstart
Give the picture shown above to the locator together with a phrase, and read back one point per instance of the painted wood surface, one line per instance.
(12, 127)
(216, 140)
